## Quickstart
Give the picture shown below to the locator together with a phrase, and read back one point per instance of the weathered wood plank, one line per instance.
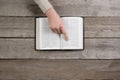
(102, 27)
(59, 69)
(63, 7)
(17, 26)
(19, 8)
(94, 49)
(94, 26)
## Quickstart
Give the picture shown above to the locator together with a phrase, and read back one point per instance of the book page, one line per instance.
(45, 38)
(74, 27)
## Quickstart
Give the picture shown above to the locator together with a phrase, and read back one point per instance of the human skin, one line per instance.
(55, 23)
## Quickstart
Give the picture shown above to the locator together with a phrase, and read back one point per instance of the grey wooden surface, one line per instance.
(63, 7)
(94, 49)
(59, 69)
(102, 41)
(17, 39)
(17, 33)
(94, 26)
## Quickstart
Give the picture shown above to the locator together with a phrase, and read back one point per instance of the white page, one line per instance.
(74, 27)
(45, 38)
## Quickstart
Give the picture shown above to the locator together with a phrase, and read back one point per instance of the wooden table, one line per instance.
(20, 61)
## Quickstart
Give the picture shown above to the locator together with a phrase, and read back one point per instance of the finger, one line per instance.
(64, 33)
(58, 30)
(52, 28)
(55, 29)
(62, 28)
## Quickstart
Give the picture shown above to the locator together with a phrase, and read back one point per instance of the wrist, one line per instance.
(50, 12)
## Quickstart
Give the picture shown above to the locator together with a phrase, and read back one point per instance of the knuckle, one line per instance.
(61, 27)
(57, 28)
(52, 27)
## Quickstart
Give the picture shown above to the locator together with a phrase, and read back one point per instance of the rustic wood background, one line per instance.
(20, 61)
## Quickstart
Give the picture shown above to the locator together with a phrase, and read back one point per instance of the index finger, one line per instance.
(64, 33)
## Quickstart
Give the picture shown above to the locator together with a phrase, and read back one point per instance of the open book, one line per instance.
(48, 40)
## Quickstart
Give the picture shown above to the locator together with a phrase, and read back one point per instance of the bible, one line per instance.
(48, 40)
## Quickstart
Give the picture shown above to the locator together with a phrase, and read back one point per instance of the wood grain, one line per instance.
(17, 26)
(94, 26)
(20, 48)
(102, 41)
(63, 7)
(102, 26)
(59, 69)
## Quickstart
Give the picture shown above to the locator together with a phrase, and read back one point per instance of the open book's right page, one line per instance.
(74, 28)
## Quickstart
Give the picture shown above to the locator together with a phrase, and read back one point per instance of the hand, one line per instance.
(55, 22)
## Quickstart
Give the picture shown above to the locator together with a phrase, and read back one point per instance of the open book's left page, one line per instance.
(45, 38)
